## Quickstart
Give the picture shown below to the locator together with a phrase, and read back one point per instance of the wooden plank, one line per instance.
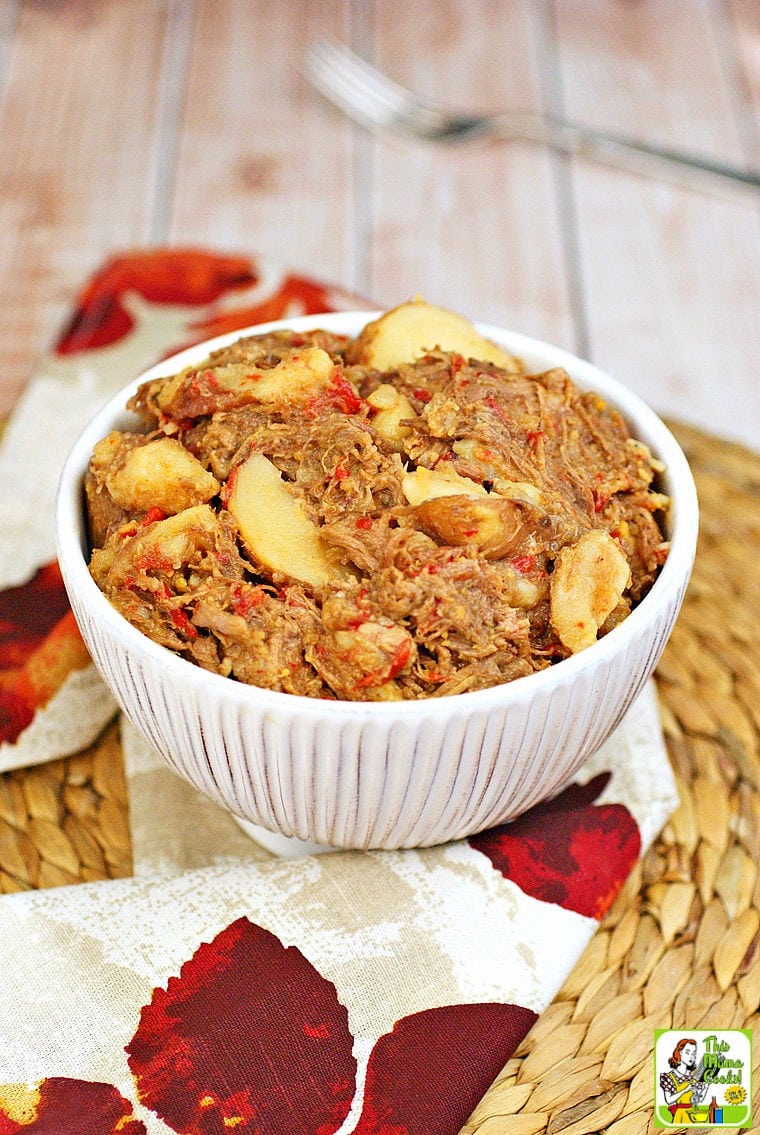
(652, 69)
(475, 227)
(78, 146)
(8, 15)
(671, 278)
(661, 286)
(265, 165)
(744, 34)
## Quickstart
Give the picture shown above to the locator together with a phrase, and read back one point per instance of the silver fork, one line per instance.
(373, 100)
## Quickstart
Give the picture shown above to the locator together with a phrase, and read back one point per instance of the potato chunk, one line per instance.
(162, 474)
(160, 548)
(392, 408)
(422, 484)
(275, 527)
(496, 527)
(410, 330)
(301, 373)
(587, 584)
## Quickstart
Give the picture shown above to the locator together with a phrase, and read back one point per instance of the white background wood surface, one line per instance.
(134, 122)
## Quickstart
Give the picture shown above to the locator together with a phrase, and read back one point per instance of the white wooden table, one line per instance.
(186, 121)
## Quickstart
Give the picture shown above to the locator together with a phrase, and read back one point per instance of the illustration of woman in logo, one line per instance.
(683, 1087)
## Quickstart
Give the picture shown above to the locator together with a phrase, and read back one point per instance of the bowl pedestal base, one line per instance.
(287, 847)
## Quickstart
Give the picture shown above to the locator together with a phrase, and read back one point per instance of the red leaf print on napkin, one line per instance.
(57, 1107)
(250, 1038)
(188, 277)
(568, 850)
(427, 1075)
(295, 295)
(40, 645)
(167, 275)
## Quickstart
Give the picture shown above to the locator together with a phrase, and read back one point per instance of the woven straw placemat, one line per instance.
(681, 946)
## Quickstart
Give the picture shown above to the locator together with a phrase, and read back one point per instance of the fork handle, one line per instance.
(691, 171)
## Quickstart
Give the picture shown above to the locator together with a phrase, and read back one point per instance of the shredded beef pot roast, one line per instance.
(292, 517)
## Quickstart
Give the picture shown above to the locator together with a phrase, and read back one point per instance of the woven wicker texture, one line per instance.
(681, 946)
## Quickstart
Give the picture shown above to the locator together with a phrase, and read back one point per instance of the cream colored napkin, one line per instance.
(346, 992)
(221, 988)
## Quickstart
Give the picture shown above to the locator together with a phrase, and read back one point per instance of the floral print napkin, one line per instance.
(140, 307)
(222, 989)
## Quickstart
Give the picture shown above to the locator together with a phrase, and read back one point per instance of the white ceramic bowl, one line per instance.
(372, 775)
